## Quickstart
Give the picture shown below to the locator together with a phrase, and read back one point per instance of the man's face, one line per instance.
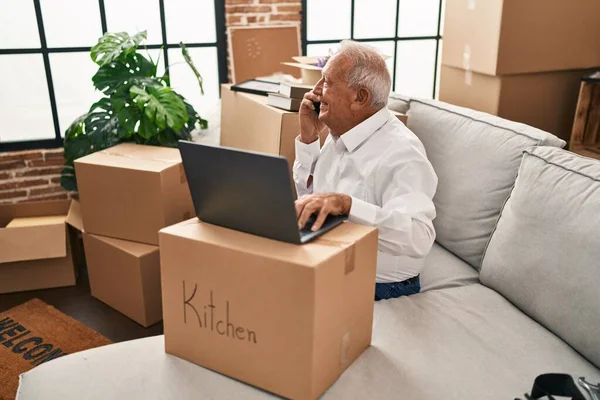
(336, 97)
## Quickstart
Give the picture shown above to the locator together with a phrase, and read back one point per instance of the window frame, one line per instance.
(45, 51)
(395, 38)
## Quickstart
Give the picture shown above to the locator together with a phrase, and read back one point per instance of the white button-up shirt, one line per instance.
(382, 165)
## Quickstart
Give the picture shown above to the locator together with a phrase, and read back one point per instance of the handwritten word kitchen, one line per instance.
(209, 319)
(20, 340)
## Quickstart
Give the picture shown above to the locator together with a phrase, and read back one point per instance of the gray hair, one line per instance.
(368, 70)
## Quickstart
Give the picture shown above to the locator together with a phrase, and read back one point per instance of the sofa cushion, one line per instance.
(398, 103)
(461, 343)
(544, 255)
(476, 157)
(443, 270)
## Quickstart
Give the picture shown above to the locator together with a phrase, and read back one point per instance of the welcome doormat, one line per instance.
(34, 333)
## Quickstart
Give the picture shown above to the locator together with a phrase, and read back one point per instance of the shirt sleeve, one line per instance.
(405, 185)
(304, 165)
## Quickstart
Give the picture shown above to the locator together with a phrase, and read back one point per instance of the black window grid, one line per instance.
(45, 51)
(395, 38)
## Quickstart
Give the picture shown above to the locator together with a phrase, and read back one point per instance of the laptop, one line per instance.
(246, 191)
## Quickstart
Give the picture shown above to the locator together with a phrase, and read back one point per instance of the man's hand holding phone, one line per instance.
(310, 125)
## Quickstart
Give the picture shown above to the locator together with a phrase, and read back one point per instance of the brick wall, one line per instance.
(35, 175)
(31, 176)
(262, 12)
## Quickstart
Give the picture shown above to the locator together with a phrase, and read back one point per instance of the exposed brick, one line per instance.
(45, 190)
(59, 196)
(39, 172)
(251, 19)
(21, 155)
(74, 195)
(285, 17)
(56, 179)
(46, 163)
(228, 2)
(247, 9)
(234, 19)
(6, 165)
(56, 154)
(5, 175)
(279, 1)
(14, 184)
(291, 8)
(13, 194)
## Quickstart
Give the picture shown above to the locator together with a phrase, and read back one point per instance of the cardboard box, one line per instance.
(38, 255)
(402, 117)
(498, 37)
(131, 191)
(259, 51)
(545, 100)
(285, 318)
(248, 123)
(309, 68)
(126, 276)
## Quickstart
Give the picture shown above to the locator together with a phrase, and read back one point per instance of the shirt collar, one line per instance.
(361, 132)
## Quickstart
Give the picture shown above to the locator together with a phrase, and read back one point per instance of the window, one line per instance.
(408, 31)
(46, 70)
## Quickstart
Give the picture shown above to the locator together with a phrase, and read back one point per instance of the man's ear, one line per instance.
(362, 99)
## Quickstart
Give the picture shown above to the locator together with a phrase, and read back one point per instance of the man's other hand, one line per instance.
(322, 204)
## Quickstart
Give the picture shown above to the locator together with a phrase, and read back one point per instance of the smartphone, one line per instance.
(317, 106)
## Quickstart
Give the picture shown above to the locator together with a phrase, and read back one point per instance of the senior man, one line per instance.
(371, 167)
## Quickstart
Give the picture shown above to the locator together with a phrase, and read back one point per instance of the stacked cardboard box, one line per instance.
(128, 193)
(39, 245)
(521, 60)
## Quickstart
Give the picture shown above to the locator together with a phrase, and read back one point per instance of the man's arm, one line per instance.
(304, 165)
(406, 186)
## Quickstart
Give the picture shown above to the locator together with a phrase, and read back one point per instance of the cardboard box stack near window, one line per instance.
(38, 249)
(521, 60)
(285, 318)
(128, 193)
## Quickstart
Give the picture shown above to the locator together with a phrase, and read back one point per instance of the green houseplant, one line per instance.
(138, 106)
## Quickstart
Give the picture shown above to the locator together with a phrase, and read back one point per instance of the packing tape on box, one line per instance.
(344, 347)
(467, 65)
(468, 78)
(348, 248)
(471, 5)
(111, 153)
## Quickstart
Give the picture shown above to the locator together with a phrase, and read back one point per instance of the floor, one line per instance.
(78, 303)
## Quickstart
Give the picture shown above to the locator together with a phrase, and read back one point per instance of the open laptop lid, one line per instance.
(241, 190)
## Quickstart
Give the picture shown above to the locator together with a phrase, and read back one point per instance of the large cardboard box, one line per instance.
(248, 123)
(498, 37)
(126, 276)
(36, 252)
(131, 191)
(544, 100)
(257, 51)
(285, 318)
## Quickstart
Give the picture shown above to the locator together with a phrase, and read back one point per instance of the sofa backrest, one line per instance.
(544, 255)
(476, 157)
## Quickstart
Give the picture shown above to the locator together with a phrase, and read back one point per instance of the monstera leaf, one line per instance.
(162, 106)
(140, 107)
(119, 75)
(97, 130)
(112, 46)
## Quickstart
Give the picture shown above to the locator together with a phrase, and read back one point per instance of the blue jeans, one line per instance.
(392, 290)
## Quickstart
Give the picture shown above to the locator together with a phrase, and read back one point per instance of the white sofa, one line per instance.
(510, 289)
